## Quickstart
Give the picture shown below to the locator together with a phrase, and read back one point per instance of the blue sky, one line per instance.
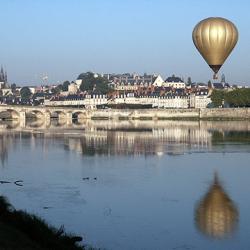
(62, 38)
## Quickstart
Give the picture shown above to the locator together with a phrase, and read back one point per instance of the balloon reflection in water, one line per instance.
(216, 215)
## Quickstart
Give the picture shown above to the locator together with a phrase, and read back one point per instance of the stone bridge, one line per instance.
(68, 114)
(22, 113)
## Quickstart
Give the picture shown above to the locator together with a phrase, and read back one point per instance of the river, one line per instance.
(134, 184)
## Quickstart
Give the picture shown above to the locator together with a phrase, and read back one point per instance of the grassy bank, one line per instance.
(22, 231)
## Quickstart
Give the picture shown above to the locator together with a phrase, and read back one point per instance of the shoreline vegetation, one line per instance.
(23, 231)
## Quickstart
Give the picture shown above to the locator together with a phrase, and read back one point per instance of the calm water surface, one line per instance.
(134, 185)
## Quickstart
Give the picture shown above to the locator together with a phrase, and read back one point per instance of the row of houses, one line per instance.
(170, 101)
(126, 89)
(131, 82)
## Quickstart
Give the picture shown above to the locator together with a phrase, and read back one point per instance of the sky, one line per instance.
(63, 38)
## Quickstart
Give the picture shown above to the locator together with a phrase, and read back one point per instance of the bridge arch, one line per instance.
(9, 114)
(78, 116)
(38, 123)
(58, 114)
(34, 113)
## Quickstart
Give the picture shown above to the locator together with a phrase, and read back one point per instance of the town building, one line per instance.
(199, 100)
(6, 91)
(132, 82)
(174, 82)
(32, 89)
(88, 101)
(78, 83)
(173, 102)
(72, 88)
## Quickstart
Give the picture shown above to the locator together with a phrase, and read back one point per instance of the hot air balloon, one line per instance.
(215, 38)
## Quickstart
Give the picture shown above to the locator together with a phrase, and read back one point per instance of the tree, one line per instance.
(65, 85)
(60, 87)
(238, 98)
(94, 83)
(217, 97)
(57, 89)
(233, 98)
(209, 84)
(25, 93)
(189, 81)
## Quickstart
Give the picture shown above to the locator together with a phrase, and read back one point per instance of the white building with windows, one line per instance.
(200, 100)
(158, 81)
(132, 82)
(173, 102)
(174, 82)
(72, 88)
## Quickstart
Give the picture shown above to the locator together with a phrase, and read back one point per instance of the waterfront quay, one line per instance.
(68, 115)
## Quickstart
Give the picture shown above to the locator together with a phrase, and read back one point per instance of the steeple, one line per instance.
(5, 77)
(2, 74)
(223, 79)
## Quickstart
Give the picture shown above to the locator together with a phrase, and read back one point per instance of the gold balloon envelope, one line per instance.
(215, 38)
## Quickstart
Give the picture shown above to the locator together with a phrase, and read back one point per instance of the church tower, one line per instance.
(3, 77)
(223, 79)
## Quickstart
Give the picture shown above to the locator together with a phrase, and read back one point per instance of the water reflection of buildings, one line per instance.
(170, 140)
(4, 145)
(7, 142)
(154, 137)
(216, 215)
(128, 137)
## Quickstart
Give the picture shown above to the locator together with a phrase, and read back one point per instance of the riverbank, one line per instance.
(68, 114)
(20, 230)
(171, 114)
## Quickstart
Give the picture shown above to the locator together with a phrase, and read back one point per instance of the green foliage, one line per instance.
(65, 86)
(92, 83)
(230, 136)
(57, 89)
(238, 98)
(4, 205)
(25, 93)
(233, 98)
(209, 84)
(217, 98)
(35, 229)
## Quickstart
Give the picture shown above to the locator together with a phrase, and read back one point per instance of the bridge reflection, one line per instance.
(216, 214)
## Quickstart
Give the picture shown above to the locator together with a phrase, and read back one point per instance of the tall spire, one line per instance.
(5, 77)
(2, 74)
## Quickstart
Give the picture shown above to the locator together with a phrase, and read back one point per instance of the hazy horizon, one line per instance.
(63, 38)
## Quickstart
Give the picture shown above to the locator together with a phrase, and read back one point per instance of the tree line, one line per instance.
(91, 83)
(233, 98)
(94, 83)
